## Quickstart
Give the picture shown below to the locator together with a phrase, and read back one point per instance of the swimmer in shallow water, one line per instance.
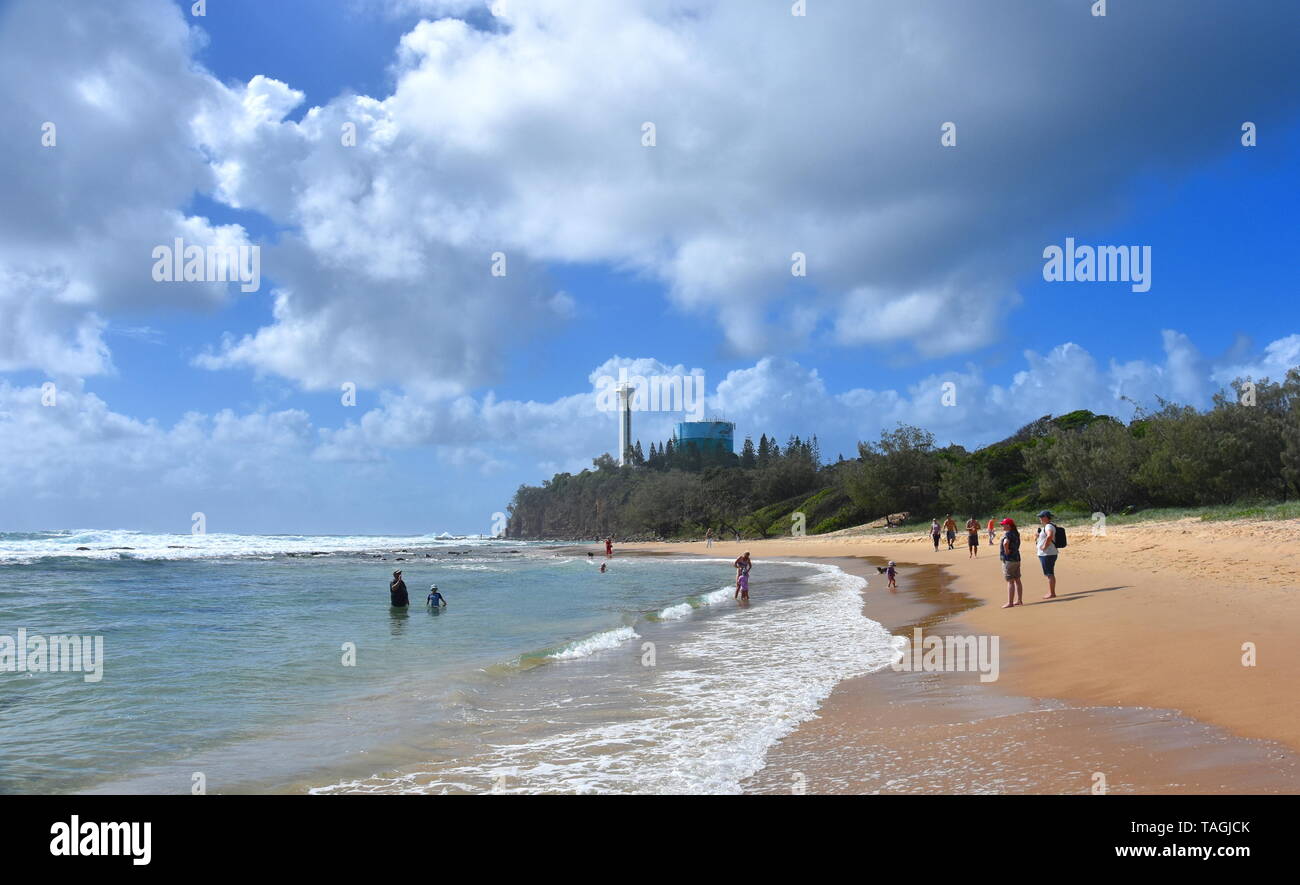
(397, 597)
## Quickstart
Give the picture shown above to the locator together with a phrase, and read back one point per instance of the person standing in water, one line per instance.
(743, 565)
(435, 598)
(397, 591)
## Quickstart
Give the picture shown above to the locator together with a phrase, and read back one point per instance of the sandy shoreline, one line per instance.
(1135, 673)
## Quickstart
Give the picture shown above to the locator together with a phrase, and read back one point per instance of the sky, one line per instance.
(503, 233)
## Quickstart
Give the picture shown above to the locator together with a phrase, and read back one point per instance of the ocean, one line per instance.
(270, 664)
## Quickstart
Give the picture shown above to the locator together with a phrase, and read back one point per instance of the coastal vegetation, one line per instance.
(1240, 456)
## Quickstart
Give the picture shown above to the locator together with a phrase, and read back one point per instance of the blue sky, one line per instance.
(521, 131)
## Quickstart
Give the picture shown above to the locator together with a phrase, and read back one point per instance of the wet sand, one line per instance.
(1067, 715)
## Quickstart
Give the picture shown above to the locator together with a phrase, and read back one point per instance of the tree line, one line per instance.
(1244, 448)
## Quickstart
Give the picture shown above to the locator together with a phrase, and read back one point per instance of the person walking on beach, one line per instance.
(972, 538)
(708, 538)
(397, 591)
(1009, 553)
(950, 526)
(934, 533)
(992, 532)
(1047, 551)
(609, 546)
(742, 565)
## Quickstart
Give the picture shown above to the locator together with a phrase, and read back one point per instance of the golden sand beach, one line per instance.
(1137, 676)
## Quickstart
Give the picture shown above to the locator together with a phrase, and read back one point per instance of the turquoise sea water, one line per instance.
(228, 660)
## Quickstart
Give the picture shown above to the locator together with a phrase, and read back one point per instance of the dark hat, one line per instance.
(1046, 513)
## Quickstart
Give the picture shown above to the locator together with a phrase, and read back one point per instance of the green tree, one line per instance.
(665, 505)
(1289, 417)
(898, 473)
(748, 459)
(726, 497)
(1094, 466)
(967, 488)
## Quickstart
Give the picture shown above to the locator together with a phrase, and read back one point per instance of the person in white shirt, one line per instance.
(1047, 551)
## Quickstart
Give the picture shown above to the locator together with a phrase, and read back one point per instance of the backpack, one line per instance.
(1059, 539)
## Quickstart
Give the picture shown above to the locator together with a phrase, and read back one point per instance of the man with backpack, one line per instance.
(1051, 538)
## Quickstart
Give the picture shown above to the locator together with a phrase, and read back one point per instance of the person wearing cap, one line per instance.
(1047, 551)
(892, 574)
(435, 598)
(1009, 553)
(397, 591)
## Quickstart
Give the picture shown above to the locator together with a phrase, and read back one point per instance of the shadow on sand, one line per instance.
(1077, 594)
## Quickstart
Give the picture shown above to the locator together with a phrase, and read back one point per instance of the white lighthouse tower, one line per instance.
(625, 424)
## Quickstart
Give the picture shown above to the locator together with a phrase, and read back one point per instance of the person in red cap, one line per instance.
(1009, 553)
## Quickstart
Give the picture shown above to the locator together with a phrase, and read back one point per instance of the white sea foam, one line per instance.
(675, 612)
(682, 609)
(26, 547)
(722, 594)
(704, 718)
(581, 648)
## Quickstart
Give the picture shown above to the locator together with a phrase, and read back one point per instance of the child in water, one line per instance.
(435, 598)
(892, 574)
